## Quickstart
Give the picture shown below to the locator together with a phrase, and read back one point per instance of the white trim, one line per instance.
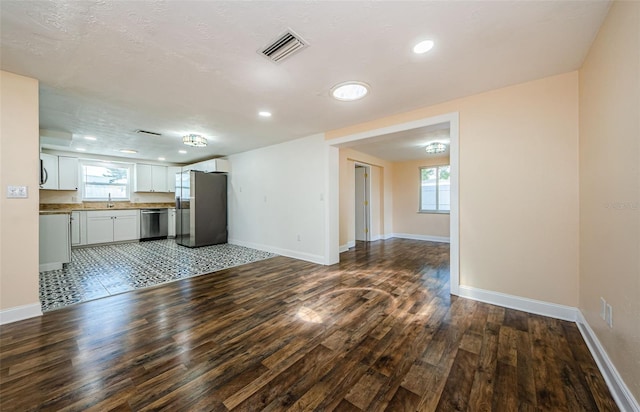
(619, 390)
(351, 243)
(45, 267)
(387, 236)
(538, 307)
(309, 257)
(343, 248)
(441, 239)
(17, 313)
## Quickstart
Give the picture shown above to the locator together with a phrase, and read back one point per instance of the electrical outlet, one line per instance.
(603, 309)
(609, 315)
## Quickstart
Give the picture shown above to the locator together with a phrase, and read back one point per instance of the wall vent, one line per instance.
(148, 132)
(286, 45)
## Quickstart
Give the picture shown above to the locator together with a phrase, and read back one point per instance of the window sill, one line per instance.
(433, 212)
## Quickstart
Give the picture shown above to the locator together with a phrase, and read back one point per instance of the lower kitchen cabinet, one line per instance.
(171, 224)
(106, 226)
(55, 241)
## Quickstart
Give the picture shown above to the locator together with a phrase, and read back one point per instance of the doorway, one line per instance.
(362, 202)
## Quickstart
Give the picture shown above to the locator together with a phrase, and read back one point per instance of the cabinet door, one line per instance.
(125, 228)
(99, 229)
(171, 177)
(144, 181)
(75, 228)
(54, 241)
(67, 173)
(159, 178)
(49, 171)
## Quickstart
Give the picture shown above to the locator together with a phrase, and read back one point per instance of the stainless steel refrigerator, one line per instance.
(201, 208)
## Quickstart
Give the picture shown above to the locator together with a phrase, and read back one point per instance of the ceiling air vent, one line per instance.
(148, 132)
(284, 46)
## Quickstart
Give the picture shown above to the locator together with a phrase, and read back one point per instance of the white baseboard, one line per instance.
(309, 257)
(411, 236)
(343, 248)
(20, 313)
(619, 390)
(386, 236)
(538, 307)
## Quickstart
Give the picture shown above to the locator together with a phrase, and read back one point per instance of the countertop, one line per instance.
(62, 208)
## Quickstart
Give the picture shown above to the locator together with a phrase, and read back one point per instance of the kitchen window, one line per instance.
(101, 181)
(435, 189)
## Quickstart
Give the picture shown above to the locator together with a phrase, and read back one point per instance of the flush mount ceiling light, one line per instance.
(435, 147)
(129, 151)
(423, 47)
(349, 91)
(81, 149)
(194, 140)
(264, 114)
(90, 138)
(182, 151)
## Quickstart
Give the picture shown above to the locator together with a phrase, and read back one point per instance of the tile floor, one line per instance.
(96, 272)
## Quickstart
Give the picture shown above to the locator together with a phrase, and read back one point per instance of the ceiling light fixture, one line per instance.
(161, 158)
(81, 149)
(435, 147)
(423, 47)
(264, 114)
(182, 151)
(194, 140)
(349, 91)
(90, 138)
(129, 151)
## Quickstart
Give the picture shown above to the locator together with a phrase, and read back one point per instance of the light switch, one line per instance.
(17, 192)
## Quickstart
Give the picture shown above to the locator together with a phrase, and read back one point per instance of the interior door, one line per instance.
(362, 203)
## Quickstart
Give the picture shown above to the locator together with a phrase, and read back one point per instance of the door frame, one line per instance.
(454, 221)
(367, 198)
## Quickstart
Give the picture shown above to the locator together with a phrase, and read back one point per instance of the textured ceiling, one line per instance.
(107, 68)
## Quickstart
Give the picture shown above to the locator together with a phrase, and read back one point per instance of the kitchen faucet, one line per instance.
(109, 204)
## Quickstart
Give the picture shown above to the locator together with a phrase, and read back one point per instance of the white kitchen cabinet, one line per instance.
(67, 173)
(78, 222)
(171, 223)
(54, 241)
(48, 171)
(58, 172)
(107, 226)
(210, 166)
(171, 177)
(151, 178)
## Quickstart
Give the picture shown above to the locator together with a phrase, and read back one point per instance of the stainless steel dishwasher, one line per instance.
(153, 223)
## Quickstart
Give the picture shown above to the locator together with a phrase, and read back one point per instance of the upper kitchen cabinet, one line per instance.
(171, 177)
(67, 173)
(151, 178)
(209, 166)
(58, 172)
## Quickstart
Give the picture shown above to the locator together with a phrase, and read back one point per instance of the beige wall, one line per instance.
(518, 186)
(610, 186)
(406, 199)
(381, 195)
(19, 166)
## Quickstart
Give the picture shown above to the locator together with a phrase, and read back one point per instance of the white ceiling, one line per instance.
(107, 68)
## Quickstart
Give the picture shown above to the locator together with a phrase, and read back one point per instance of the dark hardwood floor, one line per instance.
(377, 332)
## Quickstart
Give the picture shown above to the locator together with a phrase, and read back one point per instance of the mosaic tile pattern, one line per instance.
(100, 271)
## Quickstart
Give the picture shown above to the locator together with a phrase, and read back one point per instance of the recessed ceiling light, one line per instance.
(423, 46)
(130, 151)
(182, 151)
(161, 158)
(81, 149)
(349, 91)
(90, 138)
(264, 114)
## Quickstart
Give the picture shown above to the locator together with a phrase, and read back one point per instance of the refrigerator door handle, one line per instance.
(178, 202)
